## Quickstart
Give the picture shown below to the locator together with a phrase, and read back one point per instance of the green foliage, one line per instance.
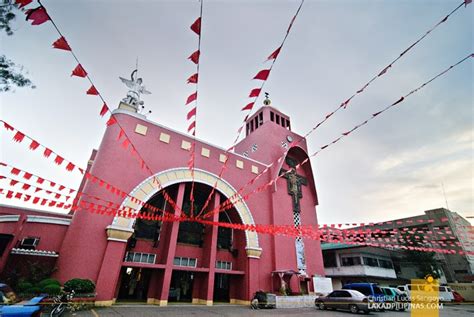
(52, 289)
(48, 281)
(10, 73)
(79, 286)
(23, 286)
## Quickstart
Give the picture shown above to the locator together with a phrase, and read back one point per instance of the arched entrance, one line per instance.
(184, 261)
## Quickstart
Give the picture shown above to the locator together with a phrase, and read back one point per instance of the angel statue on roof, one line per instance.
(136, 88)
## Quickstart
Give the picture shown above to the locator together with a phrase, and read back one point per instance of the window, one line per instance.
(277, 119)
(4, 241)
(224, 235)
(30, 242)
(256, 122)
(272, 116)
(288, 124)
(251, 126)
(350, 260)
(363, 289)
(147, 229)
(191, 232)
(140, 257)
(370, 261)
(460, 271)
(182, 261)
(223, 265)
(260, 118)
(329, 259)
(386, 264)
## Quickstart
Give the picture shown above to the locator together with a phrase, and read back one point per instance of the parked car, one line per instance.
(344, 299)
(262, 299)
(395, 298)
(445, 293)
(372, 290)
(10, 307)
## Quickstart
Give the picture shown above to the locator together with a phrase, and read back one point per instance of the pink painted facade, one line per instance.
(126, 264)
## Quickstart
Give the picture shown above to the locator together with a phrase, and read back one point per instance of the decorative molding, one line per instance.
(49, 220)
(253, 252)
(141, 129)
(20, 251)
(9, 218)
(117, 233)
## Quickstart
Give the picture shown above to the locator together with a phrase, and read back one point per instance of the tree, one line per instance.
(10, 73)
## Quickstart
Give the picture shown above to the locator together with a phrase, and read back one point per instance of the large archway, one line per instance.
(149, 187)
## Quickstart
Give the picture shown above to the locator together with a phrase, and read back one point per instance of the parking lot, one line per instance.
(231, 310)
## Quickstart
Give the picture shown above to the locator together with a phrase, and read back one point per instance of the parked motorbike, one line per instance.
(61, 303)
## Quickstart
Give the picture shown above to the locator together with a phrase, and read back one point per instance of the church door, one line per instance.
(181, 287)
(221, 288)
(134, 284)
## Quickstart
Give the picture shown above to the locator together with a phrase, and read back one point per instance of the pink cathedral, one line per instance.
(157, 262)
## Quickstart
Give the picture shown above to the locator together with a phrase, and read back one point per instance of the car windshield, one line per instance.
(377, 290)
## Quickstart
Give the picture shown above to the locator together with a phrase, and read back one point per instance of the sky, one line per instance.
(392, 168)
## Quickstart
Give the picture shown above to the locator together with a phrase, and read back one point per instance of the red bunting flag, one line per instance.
(377, 113)
(18, 137)
(37, 15)
(384, 70)
(27, 176)
(111, 121)
(193, 79)
(13, 182)
(47, 152)
(191, 98)
(25, 186)
(398, 101)
(255, 92)
(8, 127)
(27, 197)
(61, 44)
(194, 57)
(52, 184)
(23, 3)
(274, 55)
(40, 180)
(466, 2)
(92, 91)
(248, 107)
(69, 167)
(196, 26)
(191, 113)
(61, 187)
(104, 109)
(79, 71)
(262, 75)
(58, 160)
(34, 145)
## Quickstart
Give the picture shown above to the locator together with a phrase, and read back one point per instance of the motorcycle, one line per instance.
(61, 303)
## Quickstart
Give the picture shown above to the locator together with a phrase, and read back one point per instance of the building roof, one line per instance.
(336, 246)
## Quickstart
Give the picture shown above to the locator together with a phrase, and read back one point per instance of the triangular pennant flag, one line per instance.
(194, 57)
(92, 91)
(196, 26)
(34, 145)
(384, 70)
(79, 71)
(58, 160)
(37, 15)
(61, 44)
(8, 127)
(27, 176)
(193, 79)
(466, 2)
(262, 75)
(23, 3)
(104, 109)
(40, 180)
(248, 106)
(191, 98)
(47, 152)
(191, 113)
(111, 121)
(18, 137)
(398, 101)
(255, 92)
(274, 55)
(69, 167)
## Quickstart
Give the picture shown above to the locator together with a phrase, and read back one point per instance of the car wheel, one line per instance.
(322, 306)
(354, 309)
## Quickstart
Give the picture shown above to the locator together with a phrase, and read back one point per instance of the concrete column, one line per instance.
(173, 238)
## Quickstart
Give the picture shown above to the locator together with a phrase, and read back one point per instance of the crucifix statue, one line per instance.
(294, 182)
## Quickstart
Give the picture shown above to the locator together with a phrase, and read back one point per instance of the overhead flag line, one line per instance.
(254, 93)
(237, 196)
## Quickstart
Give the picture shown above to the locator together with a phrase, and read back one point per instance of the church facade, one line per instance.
(138, 259)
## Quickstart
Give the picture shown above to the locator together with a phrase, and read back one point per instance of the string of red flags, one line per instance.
(80, 71)
(255, 93)
(26, 186)
(262, 75)
(228, 204)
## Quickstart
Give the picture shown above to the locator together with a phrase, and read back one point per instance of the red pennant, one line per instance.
(58, 160)
(13, 182)
(92, 91)
(18, 195)
(25, 186)
(79, 71)
(57, 196)
(43, 201)
(34, 145)
(7, 126)
(255, 92)
(191, 98)
(398, 101)
(262, 75)
(124, 145)
(377, 113)
(196, 26)
(27, 197)
(61, 187)
(15, 171)
(194, 57)
(192, 126)
(111, 121)
(9, 194)
(104, 109)
(40, 180)
(69, 167)
(384, 70)
(27, 176)
(466, 2)
(37, 16)
(23, 3)
(18, 137)
(52, 184)
(121, 134)
(47, 152)
(61, 44)
(35, 200)
(248, 107)
(274, 55)
(191, 113)
(193, 79)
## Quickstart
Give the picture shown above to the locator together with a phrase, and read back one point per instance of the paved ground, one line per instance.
(230, 311)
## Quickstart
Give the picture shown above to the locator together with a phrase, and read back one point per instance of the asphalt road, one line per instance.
(231, 310)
